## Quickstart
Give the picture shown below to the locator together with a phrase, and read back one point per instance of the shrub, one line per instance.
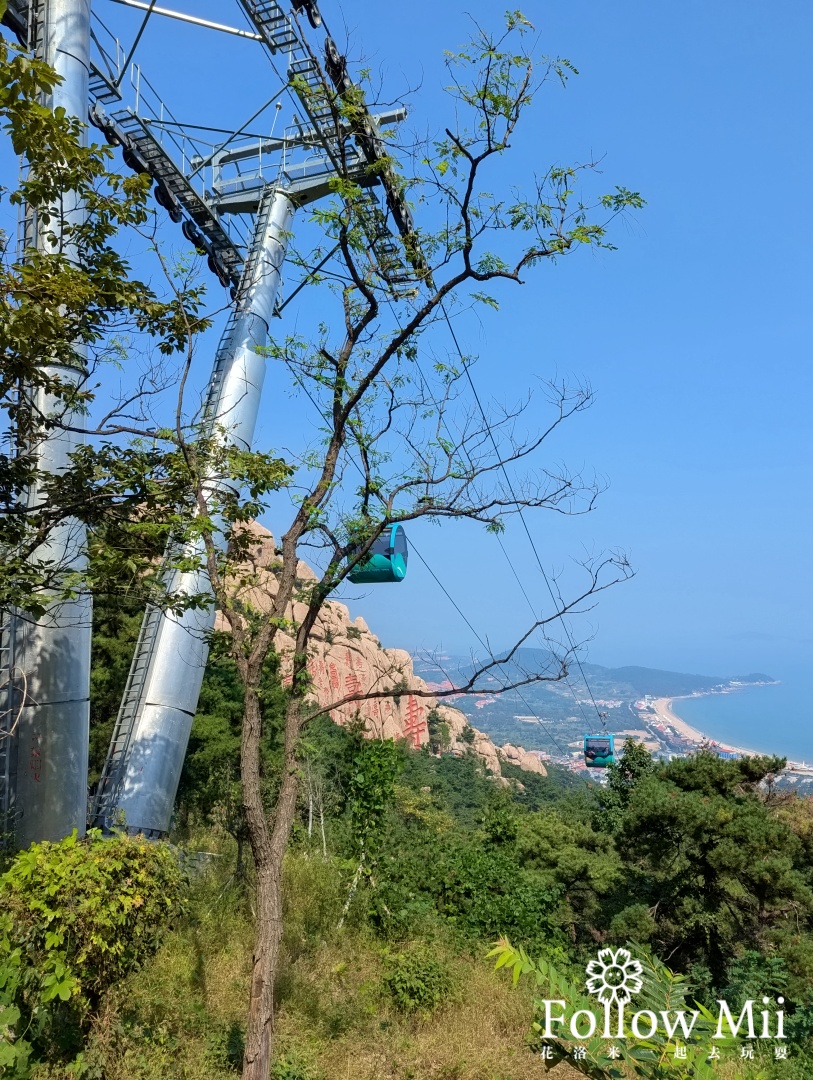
(417, 980)
(14, 1051)
(312, 901)
(473, 891)
(75, 917)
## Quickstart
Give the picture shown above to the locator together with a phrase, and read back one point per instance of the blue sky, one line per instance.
(695, 334)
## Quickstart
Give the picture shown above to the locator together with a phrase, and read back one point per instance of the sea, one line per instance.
(772, 719)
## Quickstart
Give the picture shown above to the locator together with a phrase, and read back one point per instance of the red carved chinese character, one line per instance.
(352, 684)
(415, 723)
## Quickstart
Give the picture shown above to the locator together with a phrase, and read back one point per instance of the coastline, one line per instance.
(664, 712)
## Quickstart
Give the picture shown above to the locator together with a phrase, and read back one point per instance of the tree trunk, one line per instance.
(268, 848)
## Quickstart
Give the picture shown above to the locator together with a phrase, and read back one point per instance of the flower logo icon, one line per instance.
(614, 977)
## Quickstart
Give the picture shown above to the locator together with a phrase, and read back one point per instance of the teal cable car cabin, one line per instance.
(385, 561)
(599, 751)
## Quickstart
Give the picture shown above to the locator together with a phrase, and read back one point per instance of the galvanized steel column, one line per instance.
(51, 741)
(148, 780)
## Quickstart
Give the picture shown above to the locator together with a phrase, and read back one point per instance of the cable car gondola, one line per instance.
(385, 561)
(599, 751)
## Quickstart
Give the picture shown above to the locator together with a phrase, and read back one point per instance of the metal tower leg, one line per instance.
(146, 755)
(9, 709)
(51, 740)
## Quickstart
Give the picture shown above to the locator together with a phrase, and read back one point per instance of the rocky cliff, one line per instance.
(347, 658)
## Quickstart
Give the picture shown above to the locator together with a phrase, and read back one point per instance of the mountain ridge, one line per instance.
(655, 682)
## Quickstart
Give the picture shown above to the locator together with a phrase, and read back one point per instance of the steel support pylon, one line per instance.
(143, 768)
(50, 743)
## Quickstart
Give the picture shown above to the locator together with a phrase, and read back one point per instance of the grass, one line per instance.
(340, 1018)
(180, 1017)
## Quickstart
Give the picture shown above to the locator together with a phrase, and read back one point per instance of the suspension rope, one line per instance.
(445, 591)
(502, 547)
(459, 610)
(508, 559)
(465, 363)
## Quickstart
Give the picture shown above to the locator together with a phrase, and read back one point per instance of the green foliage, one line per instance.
(705, 852)
(312, 902)
(371, 788)
(753, 974)
(458, 785)
(467, 735)
(439, 734)
(456, 885)
(571, 795)
(573, 860)
(212, 760)
(500, 823)
(290, 1068)
(62, 302)
(75, 917)
(15, 1049)
(623, 776)
(417, 980)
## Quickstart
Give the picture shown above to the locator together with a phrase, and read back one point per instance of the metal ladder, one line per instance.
(389, 254)
(162, 167)
(100, 87)
(27, 20)
(16, 18)
(272, 22)
(225, 349)
(26, 222)
(280, 35)
(104, 801)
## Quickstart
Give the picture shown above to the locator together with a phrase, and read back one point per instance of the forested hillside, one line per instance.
(405, 868)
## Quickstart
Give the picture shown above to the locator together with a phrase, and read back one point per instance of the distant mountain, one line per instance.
(554, 715)
(659, 683)
(622, 682)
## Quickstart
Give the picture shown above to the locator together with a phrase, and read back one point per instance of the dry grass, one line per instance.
(480, 1035)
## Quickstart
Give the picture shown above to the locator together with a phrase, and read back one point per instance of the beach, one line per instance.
(663, 709)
